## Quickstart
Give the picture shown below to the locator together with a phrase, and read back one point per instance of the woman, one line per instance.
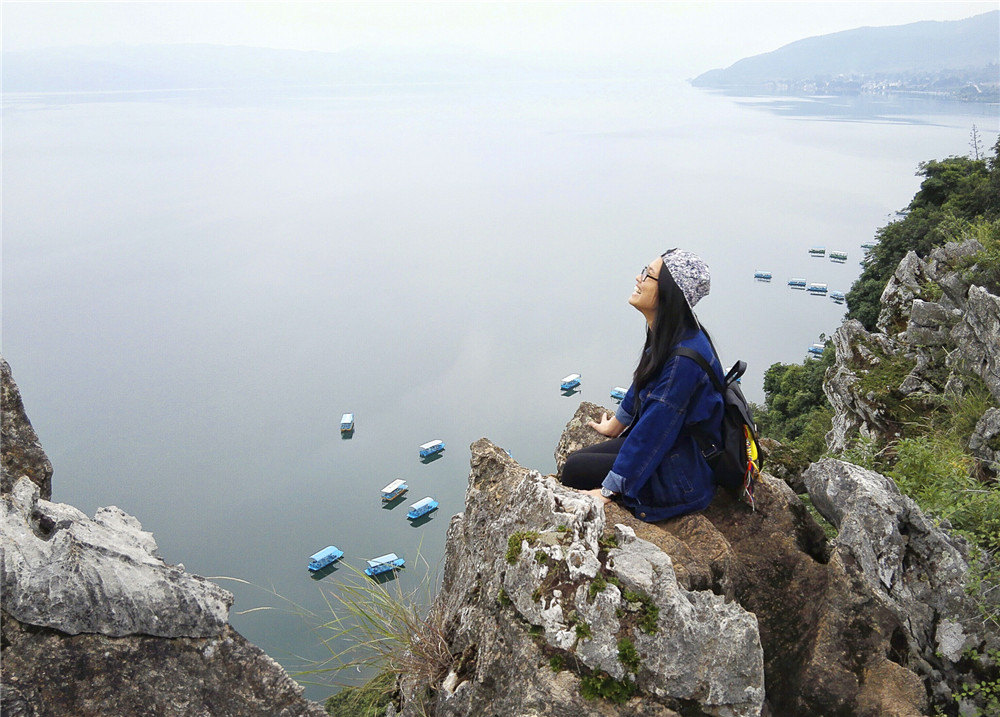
(655, 463)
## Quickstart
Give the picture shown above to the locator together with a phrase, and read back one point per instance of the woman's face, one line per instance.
(647, 289)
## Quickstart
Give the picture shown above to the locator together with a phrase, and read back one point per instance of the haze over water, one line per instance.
(197, 284)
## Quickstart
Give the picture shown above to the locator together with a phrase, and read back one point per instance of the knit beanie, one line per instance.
(690, 273)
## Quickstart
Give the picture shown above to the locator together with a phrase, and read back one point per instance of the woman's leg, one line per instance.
(587, 468)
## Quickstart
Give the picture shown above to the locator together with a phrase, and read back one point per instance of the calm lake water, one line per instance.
(196, 285)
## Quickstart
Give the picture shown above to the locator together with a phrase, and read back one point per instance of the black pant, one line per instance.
(588, 467)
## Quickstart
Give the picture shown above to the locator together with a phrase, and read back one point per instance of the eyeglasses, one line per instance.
(645, 274)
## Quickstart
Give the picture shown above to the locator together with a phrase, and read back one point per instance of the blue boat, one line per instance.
(838, 296)
(422, 507)
(838, 255)
(618, 393)
(818, 251)
(430, 448)
(570, 382)
(797, 282)
(816, 349)
(383, 564)
(347, 422)
(762, 275)
(329, 554)
(816, 288)
(394, 490)
(868, 245)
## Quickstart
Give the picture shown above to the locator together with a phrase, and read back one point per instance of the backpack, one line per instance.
(736, 464)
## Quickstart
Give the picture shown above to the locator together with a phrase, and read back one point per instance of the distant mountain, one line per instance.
(948, 57)
(185, 66)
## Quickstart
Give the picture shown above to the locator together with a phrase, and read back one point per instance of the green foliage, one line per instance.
(368, 700)
(536, 631)
(557, 663)
(628, 655)
(541, 557)
(503, 599)
(596, 585)
(601, 685)
(514, 543)
(649, 612)
(796, 411)
(983, 269)
(955, 191)
(583, 631)
(608, 542)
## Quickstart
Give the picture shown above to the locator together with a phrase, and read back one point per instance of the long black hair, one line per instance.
(674, 318)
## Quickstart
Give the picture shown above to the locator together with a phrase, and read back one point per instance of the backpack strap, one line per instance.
(707, 368)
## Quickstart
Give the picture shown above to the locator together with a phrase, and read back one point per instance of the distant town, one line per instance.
(981, 85)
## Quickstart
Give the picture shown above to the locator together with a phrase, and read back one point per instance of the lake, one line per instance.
(197, 284)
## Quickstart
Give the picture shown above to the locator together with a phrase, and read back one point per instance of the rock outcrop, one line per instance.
(755, 612)
(94, 622)
(936, 332)
(22, 453)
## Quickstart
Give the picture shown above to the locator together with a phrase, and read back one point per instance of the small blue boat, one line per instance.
(797, 282)
(838, 255)
(816, 288)
(816, 349)
(422, 507)
(868, 245)
(818, 251)
(383, 564)
(430, 448)
(329, 554)
(347, 422)
(618, 393)
(766, 275)
(394, 490)
(838, 296)
(570, 382)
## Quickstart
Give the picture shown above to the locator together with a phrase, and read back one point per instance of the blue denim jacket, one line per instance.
(660, 471)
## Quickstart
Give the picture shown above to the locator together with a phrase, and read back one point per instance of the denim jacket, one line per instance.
(660, 471)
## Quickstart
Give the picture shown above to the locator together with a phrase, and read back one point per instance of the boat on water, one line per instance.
(570, 382)
(797, 282)
(618, 393)
(816, 349)
(766, 275)
(347, 422)
(329, 554)
(430, 448)
(816, 288)
(394, 490)
(818, 250)
(868, 245)
(383, 564)
(838, 255)
(422, 507)
(838, 296)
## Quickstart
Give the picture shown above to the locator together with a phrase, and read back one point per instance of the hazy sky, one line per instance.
(690, 37)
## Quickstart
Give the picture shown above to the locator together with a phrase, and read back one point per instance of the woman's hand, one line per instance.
(609, 426)
(596, 492)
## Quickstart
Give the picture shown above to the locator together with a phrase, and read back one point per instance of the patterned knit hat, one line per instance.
(690, 273)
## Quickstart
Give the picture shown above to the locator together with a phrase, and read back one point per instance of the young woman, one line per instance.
(672, 413)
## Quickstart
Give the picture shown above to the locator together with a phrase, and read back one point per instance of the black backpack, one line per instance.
(736, 464)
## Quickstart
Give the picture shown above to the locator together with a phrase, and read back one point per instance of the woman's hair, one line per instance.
(673, 319)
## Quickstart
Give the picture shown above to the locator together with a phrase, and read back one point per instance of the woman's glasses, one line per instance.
(645, 274)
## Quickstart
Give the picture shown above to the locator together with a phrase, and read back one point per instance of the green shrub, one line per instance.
(514, 543)
(628, 655)
(601, 685)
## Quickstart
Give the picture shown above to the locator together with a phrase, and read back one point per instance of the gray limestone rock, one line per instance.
(903, 286)
(519, 588)
(977, 339)
(985, 440)
(63, 570)
(20, 453)
(919, 570)
(930, 323)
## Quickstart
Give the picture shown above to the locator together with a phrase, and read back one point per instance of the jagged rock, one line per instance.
(985, 440)
(705, 651)
(578, 434)
(941, 266)
(915, 568)
(47, 672)
(21, 453)
(905, 284)
(66, 571)
(855, 411)
(977, 338)
(784, 462)
(930, 323)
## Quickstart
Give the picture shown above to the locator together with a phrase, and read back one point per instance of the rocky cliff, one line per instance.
(95, 622)
(553, 605)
